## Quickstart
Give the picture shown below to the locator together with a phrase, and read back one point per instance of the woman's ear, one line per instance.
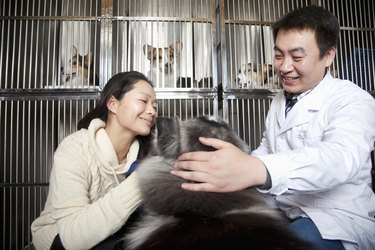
(112, 104)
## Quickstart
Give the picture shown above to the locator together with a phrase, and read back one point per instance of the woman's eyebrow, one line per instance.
(149, 96)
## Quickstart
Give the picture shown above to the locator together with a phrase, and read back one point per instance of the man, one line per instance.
(314, 157)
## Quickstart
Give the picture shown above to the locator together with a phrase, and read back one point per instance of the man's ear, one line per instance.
(112, 104)
(330, 56)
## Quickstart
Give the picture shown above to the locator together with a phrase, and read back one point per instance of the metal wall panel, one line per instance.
(355, 58)
(161, 24)
(246, 39)
(45, 90)
(31, 128)
(33, 35)
(187, 105)
(246, 114)
(247, 43)
(55, 58)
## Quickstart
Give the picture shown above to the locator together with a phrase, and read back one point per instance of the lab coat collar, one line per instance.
(312, 102)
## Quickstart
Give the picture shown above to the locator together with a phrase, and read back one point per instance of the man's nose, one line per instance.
(286, 65)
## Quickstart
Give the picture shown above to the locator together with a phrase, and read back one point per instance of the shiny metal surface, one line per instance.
(41, 99)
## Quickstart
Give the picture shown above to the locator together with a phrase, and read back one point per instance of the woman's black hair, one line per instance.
(117, 87)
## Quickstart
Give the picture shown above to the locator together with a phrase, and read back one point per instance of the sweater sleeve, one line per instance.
(80, 222)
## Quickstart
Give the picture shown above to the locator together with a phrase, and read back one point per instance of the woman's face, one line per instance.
(137, 110)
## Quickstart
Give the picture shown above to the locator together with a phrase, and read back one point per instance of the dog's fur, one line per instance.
(178, 219)
(164, 64)
(78, 72)
(252, 76)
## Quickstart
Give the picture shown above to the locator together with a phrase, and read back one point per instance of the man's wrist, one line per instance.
(268, 184)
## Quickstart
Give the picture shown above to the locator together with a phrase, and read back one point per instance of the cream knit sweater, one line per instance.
(89, 198)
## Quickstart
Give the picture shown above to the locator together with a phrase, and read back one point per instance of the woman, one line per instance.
(91, 193)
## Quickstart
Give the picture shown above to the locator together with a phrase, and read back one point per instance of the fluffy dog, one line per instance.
(164, 63)
(178, 219)
(252, 76)
(78, 72)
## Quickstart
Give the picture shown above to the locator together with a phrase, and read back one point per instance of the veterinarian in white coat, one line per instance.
(318, 159)
(315, 159)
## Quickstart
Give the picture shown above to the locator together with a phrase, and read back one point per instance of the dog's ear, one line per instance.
(268, 72)
(243, 68)
(177, 46)
(167, 138)
(148, 51)
(89, 59)
(73, 51)
(210, 127)
(270, 69)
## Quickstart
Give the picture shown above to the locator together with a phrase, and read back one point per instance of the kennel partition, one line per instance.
(39, 107)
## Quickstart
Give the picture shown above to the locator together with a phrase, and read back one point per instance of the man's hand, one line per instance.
(227, 169)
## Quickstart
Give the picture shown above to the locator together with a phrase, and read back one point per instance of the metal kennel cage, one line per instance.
(56, 56)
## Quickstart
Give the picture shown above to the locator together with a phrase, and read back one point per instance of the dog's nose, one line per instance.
(168, 67)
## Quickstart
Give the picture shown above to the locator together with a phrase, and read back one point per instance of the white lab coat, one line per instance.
(319, 160)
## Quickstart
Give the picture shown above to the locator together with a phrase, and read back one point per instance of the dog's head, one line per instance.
(162, 191)
(164, 59)
(78, 70)
(255, 75)
(172, 137)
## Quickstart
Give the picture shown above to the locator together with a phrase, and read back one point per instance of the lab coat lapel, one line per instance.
(296, 116)
(280, 112)
(301, 111)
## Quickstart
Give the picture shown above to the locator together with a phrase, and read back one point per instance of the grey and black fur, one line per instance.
(178, 219)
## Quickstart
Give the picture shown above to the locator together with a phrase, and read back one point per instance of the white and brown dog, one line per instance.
(78, 71)
(164, 64)
(257, 76)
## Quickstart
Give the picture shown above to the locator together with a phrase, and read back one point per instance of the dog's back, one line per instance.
(179, 219)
